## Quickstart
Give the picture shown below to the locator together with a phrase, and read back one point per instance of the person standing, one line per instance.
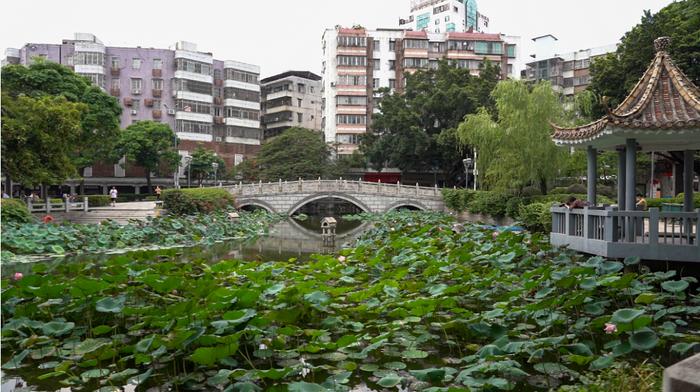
(158, 192)
(113, 195)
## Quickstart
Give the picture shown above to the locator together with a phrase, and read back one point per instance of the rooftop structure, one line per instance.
(291, 99)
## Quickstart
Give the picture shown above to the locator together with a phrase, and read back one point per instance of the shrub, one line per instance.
(489, 203)
(560, 190)
(196, 200)
(536, 217)
(607, 191)
(513, 205)
(530, 191)
(14, 210)
(96, 200)
(457, 199)
(577, 188)
(696, 199)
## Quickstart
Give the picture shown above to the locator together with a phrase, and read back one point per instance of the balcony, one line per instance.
(218, 101)
(219, 120)
(156, 93)
(148, 102)
(114, 92)
(115, 71)
(128, 101)
(218, 82)
(157, 113)
(157, 73)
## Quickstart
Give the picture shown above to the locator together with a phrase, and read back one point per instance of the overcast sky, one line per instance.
(280, 35)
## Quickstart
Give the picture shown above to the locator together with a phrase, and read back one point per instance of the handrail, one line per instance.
(299, 186)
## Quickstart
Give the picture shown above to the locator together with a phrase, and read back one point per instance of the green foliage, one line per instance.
(536, 217)
(412, 300)
(99, 120)
(167, 231)
(615, 74)
(416, 130)
(658, 203)
(297, 152)
(149, 144)
(14, 210)
(97, 200)
(511, 148)
(197, 200)
(39, 137)
(201, 165)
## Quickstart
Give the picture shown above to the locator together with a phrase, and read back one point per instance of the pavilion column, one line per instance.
(630, 179)
(621, 176)
(592, 175)
(688, 180)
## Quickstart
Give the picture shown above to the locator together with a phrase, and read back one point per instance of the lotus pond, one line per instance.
(413, 305)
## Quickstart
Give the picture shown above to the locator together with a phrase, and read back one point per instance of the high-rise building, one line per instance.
(569, 72)
(290, 99)
(357, 62)
(207, 102)
(444, 16)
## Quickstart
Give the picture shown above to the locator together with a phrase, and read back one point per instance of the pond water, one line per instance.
(292, 238)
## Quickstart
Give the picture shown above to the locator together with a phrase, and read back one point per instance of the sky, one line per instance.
(280, 35)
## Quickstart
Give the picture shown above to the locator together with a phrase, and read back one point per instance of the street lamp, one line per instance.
(215, 166)
(188, 161)
(467, 165)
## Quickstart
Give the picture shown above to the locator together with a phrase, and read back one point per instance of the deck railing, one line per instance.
(64, 206)
(651, 227)
(313, 186)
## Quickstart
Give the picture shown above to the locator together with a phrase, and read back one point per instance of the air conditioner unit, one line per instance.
(218, 138)
(332, 84)
(134, 112)
(136, 92)
(171, 112)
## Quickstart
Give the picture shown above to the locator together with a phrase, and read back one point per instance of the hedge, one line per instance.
(196, 200)
(14, 210)
(658, 202)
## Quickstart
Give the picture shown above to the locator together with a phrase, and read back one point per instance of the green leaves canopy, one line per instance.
(297, 152)
(201, 165)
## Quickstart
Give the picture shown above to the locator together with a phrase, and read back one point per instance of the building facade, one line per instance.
(444, 16)
(357, 62)
(569, 73)
(207, 102)
(290, 99)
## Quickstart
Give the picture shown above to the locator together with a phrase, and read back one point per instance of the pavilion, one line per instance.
(661, 113)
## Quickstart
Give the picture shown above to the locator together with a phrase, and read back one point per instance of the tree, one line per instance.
(613, 76)
(38, 137)
(516, 150)
(201, 165)
(148, 144)
(297, 152)
(100, 119)
(416, 130)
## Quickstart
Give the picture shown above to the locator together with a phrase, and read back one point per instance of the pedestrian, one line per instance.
(158, 191)
(641, 204)
(5, 195)
(113, 195)
(572, 202)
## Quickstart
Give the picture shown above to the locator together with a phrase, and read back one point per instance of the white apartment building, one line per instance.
(291, 99)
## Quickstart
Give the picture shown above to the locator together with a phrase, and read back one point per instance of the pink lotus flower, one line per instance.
(47, 219)
(610, 328)
(18, 276)
(494, 235)
(341, 259)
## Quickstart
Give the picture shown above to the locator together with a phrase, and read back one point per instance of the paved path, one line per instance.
(121, 213)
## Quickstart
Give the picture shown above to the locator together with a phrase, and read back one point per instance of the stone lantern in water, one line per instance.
(328, 225)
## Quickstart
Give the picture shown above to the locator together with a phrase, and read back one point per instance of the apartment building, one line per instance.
(290, 99)
(357, 62)
(207, 102)
(569, 72)
(444, 16)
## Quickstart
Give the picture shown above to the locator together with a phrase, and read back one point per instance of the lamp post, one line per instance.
(188, 161)
(467, 165)
(215, 166)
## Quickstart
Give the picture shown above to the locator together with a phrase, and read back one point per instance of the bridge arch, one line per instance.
(257, 203)
(328, 195)
(406, 203)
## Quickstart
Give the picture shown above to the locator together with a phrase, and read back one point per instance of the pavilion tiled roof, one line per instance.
(664, 98)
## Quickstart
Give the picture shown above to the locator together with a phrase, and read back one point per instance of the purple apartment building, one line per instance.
(207, 102)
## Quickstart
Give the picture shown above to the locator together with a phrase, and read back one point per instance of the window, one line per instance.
(392, 45)
(415, 63)
(192, 66)
(156, 103)
(299, 102)
(192, 127)
(136, 85)
(415, 44)
(392, 64)
(580, 64)
(375, 83)
(375, 45)
(375, 64)
(241, 76)
(460, 45)
(157, 64)
(135, 63)
(96, 79)
(89, 58)
(352, 61)
(247, 133)
(115, 84)
(510, 51)
(422, 21)
(115, 62)
(301, 88)
(568, 66)
(185, 105)
(437, 21)
(191, 86)
(300, 117)
(392, 83)
(481, 47)
(347, 139)
(437, 47)
(217, 111)
(450, 27)
(441, 8)
(311, 89)
(157, 84)
(135, 104)
(351, 100)
(447, 18)
(243, 95)
(244, 114)
(581, 80)
(351, 119)
(351, 41)
(352, 80)
(218, 74)
(437, 30)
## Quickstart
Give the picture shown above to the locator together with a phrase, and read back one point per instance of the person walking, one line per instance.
(113, 195)
(158, 192)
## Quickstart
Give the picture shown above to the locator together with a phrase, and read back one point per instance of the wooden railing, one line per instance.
(314, 186)
(64, 206)
(637, 227)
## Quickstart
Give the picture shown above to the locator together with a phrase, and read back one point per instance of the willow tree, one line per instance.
(515, 150)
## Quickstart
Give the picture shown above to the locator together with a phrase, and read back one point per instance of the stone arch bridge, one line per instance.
(287, 197)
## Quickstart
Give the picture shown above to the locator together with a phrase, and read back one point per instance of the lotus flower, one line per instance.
(47, 219)
(18, 276)
(494, 235)
(341, 259)
(610, 328)
(262, 346)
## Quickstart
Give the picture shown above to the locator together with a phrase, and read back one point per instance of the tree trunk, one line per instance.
(543, 186)
(8, 185)
(148, 181)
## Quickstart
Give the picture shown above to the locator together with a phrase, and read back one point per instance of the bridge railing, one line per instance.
(340, 185)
